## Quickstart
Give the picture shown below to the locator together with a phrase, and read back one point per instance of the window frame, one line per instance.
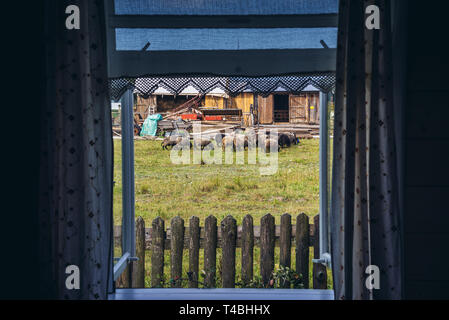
(128, 64)
(128, 196)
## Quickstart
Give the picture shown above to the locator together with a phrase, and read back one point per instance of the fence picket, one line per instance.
(194, 251)
(210, 251)
(157, 252)
(177, 247)
(285, 254)
(267, 231)
(229, 239)
(302, 248)
(138, 267)
(247, 240)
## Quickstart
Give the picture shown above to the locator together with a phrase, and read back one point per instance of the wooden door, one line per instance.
(299, 108)
(265, 109)
(314, 108)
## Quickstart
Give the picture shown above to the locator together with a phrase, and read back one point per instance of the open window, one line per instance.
(273, 51)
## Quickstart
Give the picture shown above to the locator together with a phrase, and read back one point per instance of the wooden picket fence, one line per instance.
(228, 236)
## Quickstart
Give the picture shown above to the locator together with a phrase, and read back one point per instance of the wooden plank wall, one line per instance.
(215, 102)
(243, 101)
(142, 105)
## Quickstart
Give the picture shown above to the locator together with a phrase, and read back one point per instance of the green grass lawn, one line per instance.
(168, 190)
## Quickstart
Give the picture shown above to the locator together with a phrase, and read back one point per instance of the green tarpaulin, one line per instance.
(149, 126)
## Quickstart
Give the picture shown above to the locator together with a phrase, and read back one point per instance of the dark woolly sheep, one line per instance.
(284, 140)
(292, 137)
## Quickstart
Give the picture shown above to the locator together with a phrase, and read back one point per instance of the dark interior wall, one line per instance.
(281, 102)
(426, 152)
(19, 265)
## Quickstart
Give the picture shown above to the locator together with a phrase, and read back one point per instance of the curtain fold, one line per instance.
(75, 211)
(365, 205)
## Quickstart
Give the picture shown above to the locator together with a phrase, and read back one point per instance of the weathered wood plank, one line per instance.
(285, 241)
(124, 280)
(194, 251)
(210, 251)
(138, 267)
(285, 254)
(302, 248)
(267, 231)
(247, 239)
(229, 237)
(176, 249)
(157, 253)
(319, 271)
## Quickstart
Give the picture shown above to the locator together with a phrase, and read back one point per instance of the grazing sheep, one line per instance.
(202, 143)
(174, 140)
(293, 138)
(252, 141)
(284, 140)
(287, 139)
(170, 142)
(219, 138)
(228, 142)
(270, 143)
(240, 142)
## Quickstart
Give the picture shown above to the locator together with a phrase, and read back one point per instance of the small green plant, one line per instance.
(145, 189)
(285, 277)
(282, 278)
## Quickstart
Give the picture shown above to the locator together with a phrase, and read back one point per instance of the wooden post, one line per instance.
(138, 267)
(302, 248)
(247, 241)
(194, 251)
(228, 238)
(267, 242)
(285, 244)
(157, 252)
(210, 251)
(177, 247)
(319, 271)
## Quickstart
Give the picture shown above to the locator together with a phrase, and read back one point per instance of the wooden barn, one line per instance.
(280, 106)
